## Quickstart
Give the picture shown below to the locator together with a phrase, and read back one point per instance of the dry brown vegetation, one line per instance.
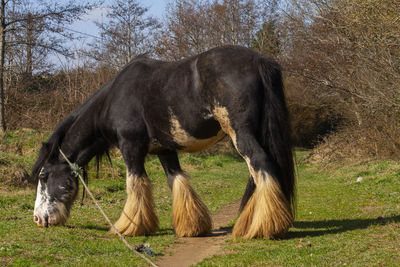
(341, 60)
(59, 95)
(345, 57)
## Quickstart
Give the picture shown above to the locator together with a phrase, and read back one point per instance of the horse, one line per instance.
(162, 108)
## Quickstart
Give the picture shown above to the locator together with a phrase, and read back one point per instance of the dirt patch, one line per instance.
(189, 251)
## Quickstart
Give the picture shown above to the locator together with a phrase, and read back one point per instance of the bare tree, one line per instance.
(3, 27)
(126, 33)
(267, 40)
(345, 54)
(41, 23)
(192, 26)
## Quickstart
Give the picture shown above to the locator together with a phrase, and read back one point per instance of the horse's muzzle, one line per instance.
(41, 222)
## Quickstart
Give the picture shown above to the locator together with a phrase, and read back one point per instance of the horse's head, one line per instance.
(56, 191)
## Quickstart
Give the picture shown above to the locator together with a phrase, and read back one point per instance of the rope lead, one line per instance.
(77, 171)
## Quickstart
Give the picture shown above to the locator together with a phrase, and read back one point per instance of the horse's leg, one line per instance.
(189, 214)
(138, 216)
(265, 210)
(250, 187)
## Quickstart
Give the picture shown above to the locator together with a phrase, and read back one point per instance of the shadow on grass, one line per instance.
(104, 228)
(90, 227)
(222, 231)
(300, 229)
(326, 227)
(163, 231)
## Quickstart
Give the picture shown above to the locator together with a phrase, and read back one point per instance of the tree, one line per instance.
(186, 30)
(345, 55)
(192, 26)
(126, 33)
(3, 26)
(41, 23)
(267, 41)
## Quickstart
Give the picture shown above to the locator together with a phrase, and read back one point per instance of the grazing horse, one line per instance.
(161, 108)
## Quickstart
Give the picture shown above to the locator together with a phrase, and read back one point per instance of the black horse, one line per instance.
(160, 108)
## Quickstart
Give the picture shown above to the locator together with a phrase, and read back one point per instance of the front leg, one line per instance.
(138, 216)
(190, 215)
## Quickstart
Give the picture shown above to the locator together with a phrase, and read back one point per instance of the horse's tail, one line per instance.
(275, 131)
(268, 205)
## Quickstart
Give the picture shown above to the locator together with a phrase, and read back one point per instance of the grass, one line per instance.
(339, 221)
(84, 240)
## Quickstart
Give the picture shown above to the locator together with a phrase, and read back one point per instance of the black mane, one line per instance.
(49, 149)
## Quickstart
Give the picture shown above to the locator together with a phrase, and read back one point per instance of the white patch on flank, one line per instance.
(190, 143)
(222, 116)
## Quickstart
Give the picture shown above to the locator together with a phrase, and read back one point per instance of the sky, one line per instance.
(86, 25)
(87, 29)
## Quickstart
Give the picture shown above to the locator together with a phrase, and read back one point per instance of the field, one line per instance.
(339, 222)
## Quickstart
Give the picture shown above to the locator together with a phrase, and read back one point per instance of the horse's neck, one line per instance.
(83, 140)
(80, 143)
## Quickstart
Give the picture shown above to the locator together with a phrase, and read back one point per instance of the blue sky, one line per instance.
(86, 25)
(88, 28)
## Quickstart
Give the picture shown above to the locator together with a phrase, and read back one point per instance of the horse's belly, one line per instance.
(189, 143)
(192, 144)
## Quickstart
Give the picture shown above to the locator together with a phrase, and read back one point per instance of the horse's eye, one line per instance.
(43, 175)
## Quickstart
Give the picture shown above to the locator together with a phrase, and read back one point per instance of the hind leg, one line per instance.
(265, 210)
(250, 187)
(138, 216)
(190, 216)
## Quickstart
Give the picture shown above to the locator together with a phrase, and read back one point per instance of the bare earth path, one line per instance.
(192, 250)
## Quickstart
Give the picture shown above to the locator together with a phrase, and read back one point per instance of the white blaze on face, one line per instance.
(42, 204)
(48, 212)
(53, 201)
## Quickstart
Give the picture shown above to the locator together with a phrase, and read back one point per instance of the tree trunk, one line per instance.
(3, 126)
(29, 45)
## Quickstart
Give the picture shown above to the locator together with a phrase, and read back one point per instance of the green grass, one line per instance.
(339, 221)
(84, 240)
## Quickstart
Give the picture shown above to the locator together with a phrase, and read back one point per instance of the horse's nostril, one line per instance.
(38, 220)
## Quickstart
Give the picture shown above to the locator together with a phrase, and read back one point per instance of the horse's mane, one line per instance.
(49, 149)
